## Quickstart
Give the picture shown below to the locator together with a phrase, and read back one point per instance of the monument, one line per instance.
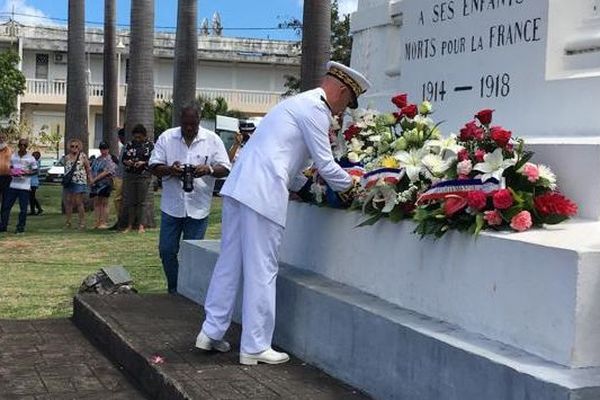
(504, 316)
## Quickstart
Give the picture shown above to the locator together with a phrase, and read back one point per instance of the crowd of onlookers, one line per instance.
(86, 181)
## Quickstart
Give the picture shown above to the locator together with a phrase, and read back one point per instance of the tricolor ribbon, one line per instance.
(458, 187)
(391, 176)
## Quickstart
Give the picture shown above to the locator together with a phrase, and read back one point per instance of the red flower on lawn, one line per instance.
(485, 116)
(410, 111)
(351, 132)
(400, 100)
(554, 203)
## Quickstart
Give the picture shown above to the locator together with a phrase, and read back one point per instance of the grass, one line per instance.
(42, 269)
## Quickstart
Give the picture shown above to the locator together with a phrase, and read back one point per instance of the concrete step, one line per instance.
(535, 290)
(135, 329)
(51, 359)
(390, 352)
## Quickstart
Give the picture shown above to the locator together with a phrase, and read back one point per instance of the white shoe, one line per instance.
(203, 342)
(268, 356)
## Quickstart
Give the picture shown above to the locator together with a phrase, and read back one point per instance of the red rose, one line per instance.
(500, 135)
(463, 155)
(400, 100)
(471, 131)
(479, 154)
(454, 204)
(466, 133)
(503, 199)
(477, 200)
(410, 111)
(398, 115)
(554, 203)
(352, 131)
(485, 116)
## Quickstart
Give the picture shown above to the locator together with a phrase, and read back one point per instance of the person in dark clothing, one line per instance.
(135, 162)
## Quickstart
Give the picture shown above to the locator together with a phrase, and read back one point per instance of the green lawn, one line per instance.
(42, 269)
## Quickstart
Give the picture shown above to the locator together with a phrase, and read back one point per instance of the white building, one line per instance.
(248, 73)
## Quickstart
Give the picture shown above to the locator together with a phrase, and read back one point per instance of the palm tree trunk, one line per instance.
(186, 57)
(140, 91)
(110, 106)
(76, 118)
(316, 42)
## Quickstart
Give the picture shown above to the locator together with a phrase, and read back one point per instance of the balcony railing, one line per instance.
(55, 92)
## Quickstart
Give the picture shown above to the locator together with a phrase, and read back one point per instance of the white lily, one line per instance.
(493, 165)
(411, 161)
(444, 145)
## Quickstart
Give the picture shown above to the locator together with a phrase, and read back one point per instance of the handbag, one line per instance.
(67, 178)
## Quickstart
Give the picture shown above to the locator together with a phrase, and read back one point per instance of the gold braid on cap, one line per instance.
(346, 80)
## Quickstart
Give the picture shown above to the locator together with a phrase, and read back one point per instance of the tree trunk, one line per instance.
(186, 57)
(110, 107)
(76, 118)
(316, 42)
(140, 92)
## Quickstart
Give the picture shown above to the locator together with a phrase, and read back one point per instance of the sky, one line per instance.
(234, 14)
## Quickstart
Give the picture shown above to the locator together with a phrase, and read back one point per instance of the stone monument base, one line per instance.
(391, 352)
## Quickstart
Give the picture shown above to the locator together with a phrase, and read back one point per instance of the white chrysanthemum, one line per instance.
(547, 174)
(434, 164)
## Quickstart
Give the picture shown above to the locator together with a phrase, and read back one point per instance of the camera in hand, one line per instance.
(188, 175)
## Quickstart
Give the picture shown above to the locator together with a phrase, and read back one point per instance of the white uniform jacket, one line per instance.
(273, 159)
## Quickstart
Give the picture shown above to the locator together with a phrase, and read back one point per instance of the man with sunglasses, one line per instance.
(22, 167)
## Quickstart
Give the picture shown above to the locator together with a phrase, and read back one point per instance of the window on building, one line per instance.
(41, 66)
(127, 71)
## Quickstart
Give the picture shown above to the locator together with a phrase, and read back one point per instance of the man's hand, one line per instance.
(202, 170)
(239, 138)
(347, 197)
(176, 169)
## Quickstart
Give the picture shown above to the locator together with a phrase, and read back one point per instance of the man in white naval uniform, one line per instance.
(255, 198)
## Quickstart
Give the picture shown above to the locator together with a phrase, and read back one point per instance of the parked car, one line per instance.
(46, 164)
(56, 172)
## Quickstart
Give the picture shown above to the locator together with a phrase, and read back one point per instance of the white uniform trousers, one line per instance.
(249, 249)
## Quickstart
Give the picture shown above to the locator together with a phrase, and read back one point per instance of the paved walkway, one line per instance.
(51, 359)
(166, 326)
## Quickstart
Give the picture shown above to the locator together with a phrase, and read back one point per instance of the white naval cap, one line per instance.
(355, 81)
